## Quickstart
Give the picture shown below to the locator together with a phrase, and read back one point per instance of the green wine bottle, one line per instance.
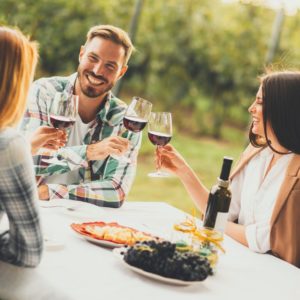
(219, 200)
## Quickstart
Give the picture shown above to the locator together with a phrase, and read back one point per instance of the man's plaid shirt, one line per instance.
(102, 182)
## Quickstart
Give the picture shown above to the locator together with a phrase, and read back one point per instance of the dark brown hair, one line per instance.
(281, 108)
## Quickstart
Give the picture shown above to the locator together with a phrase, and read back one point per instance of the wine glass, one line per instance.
(63, 110)
(62, 115)
(160, 134)
(135, 119)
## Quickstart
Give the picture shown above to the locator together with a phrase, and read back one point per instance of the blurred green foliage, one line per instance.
(199, 59)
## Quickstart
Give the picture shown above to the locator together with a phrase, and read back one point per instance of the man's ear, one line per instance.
(81, 52)
(123, 71)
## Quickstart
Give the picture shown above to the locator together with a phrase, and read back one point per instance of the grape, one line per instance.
(163, 259)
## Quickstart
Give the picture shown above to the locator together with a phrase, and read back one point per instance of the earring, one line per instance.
(261, 140)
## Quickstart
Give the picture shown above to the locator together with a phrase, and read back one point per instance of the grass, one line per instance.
(203, 154)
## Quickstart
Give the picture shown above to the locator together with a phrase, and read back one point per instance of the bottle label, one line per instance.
(221, 221)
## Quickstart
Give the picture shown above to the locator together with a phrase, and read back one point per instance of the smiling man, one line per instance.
(83, 169)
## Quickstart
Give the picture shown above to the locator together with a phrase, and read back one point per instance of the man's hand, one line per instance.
(112, 145)
(43, 192)
(47, 137)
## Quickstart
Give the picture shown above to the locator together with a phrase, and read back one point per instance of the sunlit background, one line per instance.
(198, 59)
(290, 6)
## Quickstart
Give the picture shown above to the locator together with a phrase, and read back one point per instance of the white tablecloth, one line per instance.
(81, 270)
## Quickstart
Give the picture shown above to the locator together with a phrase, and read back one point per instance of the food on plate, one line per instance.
(112, 232)
(163, 258)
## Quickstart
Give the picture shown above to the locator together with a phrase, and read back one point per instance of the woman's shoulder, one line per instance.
(9, 135)
(249, 152)
(13, 145)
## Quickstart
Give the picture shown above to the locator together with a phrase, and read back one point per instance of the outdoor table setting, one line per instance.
(80, 266)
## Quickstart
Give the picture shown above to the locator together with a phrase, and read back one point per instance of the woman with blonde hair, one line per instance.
(22, 244)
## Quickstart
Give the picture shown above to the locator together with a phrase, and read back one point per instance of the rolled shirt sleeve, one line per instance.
(255, 193)
(113, 185)
(258, 237)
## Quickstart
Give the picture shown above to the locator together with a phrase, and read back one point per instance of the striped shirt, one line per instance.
(102, 182)
(22, 244)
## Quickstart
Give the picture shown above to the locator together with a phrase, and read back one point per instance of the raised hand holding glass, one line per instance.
(63, 110)
(62, 115)
(135, 119)
(160, 134)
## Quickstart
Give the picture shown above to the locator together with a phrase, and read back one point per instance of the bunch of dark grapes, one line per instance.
(163, 259)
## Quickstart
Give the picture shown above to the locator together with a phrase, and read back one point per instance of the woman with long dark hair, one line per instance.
(265, 207)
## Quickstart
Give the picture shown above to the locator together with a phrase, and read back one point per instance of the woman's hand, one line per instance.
(175, 163)
(47, 137)
(167, 157)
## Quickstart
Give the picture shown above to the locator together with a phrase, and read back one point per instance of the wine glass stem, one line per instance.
(122, 131)
(158, 166)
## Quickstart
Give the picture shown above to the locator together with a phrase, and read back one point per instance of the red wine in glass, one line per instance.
(61, 122)
(158, 138)
(134, 124)
(62, 115)
(63, 110)
(160, 134)
(135, 119)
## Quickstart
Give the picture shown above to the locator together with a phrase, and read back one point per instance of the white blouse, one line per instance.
(254, 196)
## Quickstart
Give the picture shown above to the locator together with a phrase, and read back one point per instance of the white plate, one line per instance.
(117, 253)
(104, 243)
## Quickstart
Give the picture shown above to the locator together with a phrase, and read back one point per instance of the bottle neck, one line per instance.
(223, 183)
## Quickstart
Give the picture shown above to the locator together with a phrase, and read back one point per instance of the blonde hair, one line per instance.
(114, 34)
(18, 59)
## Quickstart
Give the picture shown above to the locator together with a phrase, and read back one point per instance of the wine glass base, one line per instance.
(159, 174)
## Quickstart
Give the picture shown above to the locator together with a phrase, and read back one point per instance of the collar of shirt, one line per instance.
(113, 109)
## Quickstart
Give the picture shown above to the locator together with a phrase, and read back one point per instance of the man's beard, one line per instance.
(90, 91)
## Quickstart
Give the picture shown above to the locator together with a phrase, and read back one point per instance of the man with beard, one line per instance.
(83, 169)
